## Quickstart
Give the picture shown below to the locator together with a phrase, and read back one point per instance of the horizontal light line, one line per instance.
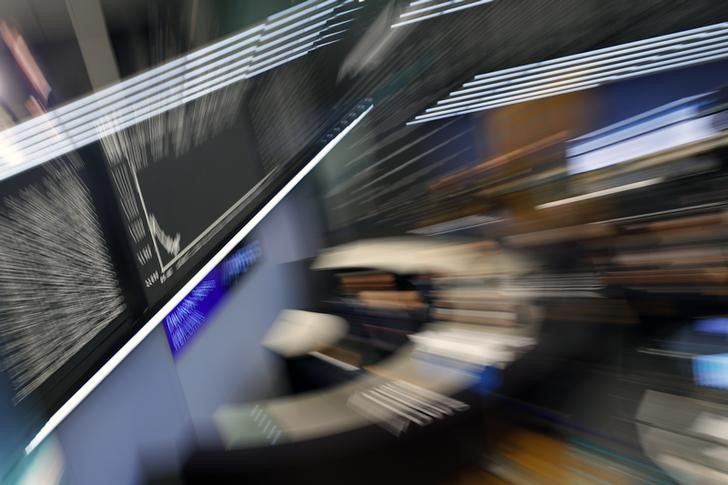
(283, 21)
(628, 47)
(73, 127)
(564, 72)
(305, 21)
(318, 25)
(76, 128)
(291, 10)
(422, 119)
(332, 34)
(594, 76)
(419, 2)
(444, 12)
(165, 71)
(122, 90)
(167, 101)
(516, 96)
(643, 72)
(331, 26)
(271, 59)
(594, 60)
(148, 327)
(344, 12)
(430, 8)
(325, 44)
(115, 125)
(601, 193)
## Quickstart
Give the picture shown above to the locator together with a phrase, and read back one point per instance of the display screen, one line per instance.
(96, 245)
(58, 285)
(711, 370)
(682, 122)
(189, 316)
(178, 200)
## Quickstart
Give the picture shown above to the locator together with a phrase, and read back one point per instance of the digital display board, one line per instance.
(190, 315)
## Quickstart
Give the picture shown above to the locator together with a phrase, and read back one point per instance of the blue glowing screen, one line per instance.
(191, 314)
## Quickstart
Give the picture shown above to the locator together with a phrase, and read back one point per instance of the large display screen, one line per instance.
(174, 204)
(103, 243)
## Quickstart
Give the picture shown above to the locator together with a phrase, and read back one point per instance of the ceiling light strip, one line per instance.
(116, 124)
(566, 72)
(182, 81)
(677, 37)
(538, 67)
(611, 74)
(71, 126)
(707, 49)
(505, 103)
(164, 102)
(90, 103)
(438, 14)
(87, 114)
(430, 8)
(654, 68)
(171, 69)
(74, 128)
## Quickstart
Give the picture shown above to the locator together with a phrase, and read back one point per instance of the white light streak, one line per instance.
(583, 71)
(437, 14)
(603, 65)
(601, 193)
(507, 101)
(166, 87)
(611, 75)
(430, 7)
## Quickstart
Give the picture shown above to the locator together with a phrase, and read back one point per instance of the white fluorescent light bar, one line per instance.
(74, 127)
(544, 93)
(171, 69)
(118, 123)
(429, 8)
(601, 193)
(606, 64)
(148, 327)
(594, 76)
(677, 37)
(692, 60)
(505, 103)
(164, 104)
(437, 14)
(123, 107)
(573, 73)
(306, 20)
(292, 10)
(189, 77)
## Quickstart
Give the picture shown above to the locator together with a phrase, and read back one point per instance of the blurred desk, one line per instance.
(322, 413)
